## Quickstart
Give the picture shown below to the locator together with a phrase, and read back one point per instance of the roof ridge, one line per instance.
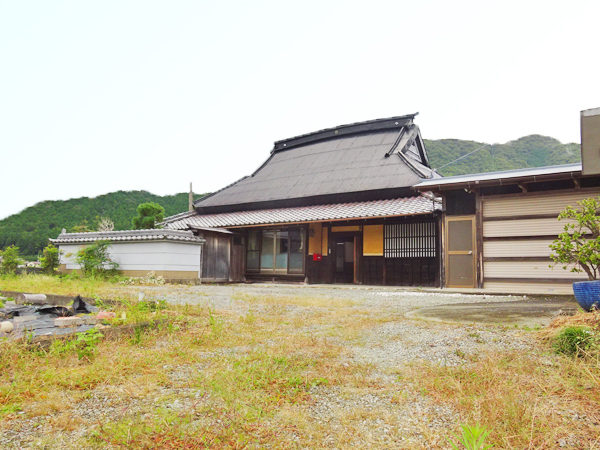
(338, 131)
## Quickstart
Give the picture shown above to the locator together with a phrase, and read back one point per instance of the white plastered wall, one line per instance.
(146, 256)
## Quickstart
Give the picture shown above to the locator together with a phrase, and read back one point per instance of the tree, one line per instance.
(83, 227)
(105, 224)
(95, 260)
(579, 244)
(149, 214)
(50, 259)
(10, 260)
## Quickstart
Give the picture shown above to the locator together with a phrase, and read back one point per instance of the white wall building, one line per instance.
(175, 255)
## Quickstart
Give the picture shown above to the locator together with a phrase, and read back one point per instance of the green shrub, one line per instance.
(50, 259)
(578, 246)
(10, 260)
(573, 341)
(95, 260)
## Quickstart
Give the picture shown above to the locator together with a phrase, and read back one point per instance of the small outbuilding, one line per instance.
(175, 255)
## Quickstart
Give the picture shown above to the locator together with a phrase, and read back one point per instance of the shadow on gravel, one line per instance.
(534, 312)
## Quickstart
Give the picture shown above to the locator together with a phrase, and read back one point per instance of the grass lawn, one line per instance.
(282, 371)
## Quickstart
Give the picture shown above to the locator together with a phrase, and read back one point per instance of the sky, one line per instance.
(100, 96)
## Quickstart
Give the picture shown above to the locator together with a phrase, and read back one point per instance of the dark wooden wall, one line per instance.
(400, 271)
(216, 257)
(319, 272)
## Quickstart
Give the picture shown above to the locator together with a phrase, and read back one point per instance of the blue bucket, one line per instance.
(587, 294)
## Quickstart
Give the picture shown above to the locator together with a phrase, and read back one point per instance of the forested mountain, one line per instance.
(528, 151)
(31, 228)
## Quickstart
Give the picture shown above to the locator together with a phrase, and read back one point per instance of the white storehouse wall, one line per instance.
(156, 256)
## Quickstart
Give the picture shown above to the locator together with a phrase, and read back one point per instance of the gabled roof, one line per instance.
(420, 204)
(503, 177)
(382, 154)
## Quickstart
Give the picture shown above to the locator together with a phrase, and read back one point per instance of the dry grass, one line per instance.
(533, 400)
(258, 375)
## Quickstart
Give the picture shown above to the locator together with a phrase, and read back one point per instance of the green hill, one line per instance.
(528, 151)
(31, 228)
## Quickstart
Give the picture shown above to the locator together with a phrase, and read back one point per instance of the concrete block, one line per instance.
(34, 299)
(90, 320)
(65, 322)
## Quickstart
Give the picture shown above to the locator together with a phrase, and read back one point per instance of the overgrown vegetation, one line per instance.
(95, 260)
(270, 371)
(31, 228)
(578, 246)
(50, 259)
(10, 260)
(84, 345)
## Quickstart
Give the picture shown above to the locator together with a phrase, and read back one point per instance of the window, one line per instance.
(296, 262)
(410, 240)
(276, 251)
(253, 251)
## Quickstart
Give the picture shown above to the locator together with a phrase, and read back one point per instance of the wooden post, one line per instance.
(479, 237)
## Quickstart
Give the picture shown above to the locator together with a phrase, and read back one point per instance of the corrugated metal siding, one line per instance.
(527, 269)
(521, 276)
(526, 247)
(523, 227)
(529, 288)
(523, 205)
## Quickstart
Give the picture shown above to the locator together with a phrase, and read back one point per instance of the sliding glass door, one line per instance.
(281, 251)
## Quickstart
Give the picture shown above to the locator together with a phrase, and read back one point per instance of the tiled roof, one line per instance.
(376, 155)
(128, 235)
(422, 204)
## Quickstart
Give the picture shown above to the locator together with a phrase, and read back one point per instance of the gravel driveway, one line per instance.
(384, 410)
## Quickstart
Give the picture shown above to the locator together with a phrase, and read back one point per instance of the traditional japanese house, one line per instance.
(332, 206)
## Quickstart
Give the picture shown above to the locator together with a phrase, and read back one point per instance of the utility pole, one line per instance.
(191, 199)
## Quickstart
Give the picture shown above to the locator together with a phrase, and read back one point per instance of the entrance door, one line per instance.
(460, 251)
(343, 258)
